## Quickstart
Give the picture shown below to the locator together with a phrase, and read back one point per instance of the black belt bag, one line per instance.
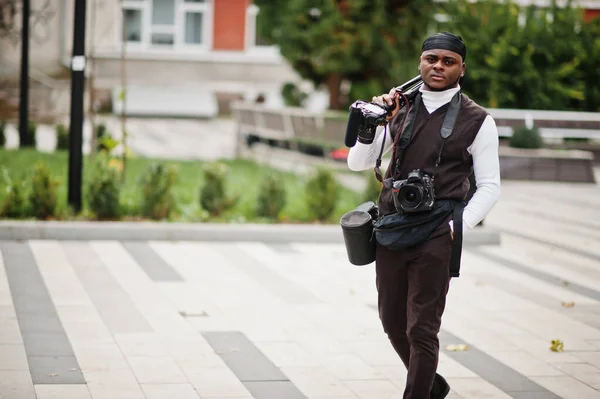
(399, 231)
(403, 230)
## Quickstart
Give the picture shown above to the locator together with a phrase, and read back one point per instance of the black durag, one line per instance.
(446, 41)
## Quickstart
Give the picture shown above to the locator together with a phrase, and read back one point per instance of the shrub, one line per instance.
(43, 192)
(105, 142)
(524, 137)
(13, 205)
(271, 197)
(292, 95)
(322, 193)
(213, 197)
(62, 137)
(372, 189)
(157, 197)
(104, 189)
(2, 133)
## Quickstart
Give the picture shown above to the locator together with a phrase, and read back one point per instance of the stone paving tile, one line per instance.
(315, 381)
(216, 382)
(156, 370)
(13, 357)
(10, 332)
(169, 391)
(374, 389)
(16, 384)
(55, 391)
(583, 372)
(568, 387)
(476, 388)
(113, 384)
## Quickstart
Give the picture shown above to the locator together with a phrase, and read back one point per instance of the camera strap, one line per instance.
(405, 133)
(457, 221)
(448, 126)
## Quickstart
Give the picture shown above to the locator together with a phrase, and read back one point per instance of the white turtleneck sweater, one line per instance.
(484, 151)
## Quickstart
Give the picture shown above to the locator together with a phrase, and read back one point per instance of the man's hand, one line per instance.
(389, 99)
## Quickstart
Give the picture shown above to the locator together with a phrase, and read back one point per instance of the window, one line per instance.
(133, 25)
(133, 20)
(195, 22)
(193, 27)
(167, 23)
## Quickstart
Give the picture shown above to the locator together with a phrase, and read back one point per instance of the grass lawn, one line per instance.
(244, 178)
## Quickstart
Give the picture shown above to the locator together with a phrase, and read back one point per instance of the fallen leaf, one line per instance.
(568, 304)
(457, 347)
(556, 345)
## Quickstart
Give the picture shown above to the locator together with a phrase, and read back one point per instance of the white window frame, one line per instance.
(206, 9)
(177, 30)
(144, 7)
(250, 34)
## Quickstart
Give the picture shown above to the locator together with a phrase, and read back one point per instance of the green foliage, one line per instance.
(327, 42)
(372, 189)
(213, 197)
(13, 202)
(245, 174)
(322, 194)
(157, 184)
(42, 196)
(2, 133)
(62, 137)
(528, 57)
(524, 137)
(292, 95)
(104, 140)
(271, 197)
(104, 189)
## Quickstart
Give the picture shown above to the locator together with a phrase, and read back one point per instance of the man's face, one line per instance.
(441, 69)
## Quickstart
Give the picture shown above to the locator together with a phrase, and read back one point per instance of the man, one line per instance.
(412, 283)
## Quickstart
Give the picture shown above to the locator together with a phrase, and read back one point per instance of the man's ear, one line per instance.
(464, 69)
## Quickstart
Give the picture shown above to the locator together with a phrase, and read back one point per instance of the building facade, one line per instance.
(169, 52)
(176, 57)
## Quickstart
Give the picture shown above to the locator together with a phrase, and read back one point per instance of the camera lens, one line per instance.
(410, 196)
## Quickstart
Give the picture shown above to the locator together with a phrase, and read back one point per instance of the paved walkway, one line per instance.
(153, 137)
(183, 320)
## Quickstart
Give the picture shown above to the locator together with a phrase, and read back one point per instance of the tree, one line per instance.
(528, 57)
(373, 44)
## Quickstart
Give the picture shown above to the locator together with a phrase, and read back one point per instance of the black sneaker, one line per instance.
(440, 388)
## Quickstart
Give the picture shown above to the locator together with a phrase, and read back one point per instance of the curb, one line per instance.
(157, 231)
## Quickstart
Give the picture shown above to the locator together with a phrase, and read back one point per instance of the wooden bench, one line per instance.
(328, 130)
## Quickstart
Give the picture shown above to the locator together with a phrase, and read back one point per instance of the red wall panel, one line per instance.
(229, 24)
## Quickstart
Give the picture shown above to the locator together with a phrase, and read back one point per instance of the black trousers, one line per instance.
(412, 285)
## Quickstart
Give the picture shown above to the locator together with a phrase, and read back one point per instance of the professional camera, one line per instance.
(365, 117)
(415, 194)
